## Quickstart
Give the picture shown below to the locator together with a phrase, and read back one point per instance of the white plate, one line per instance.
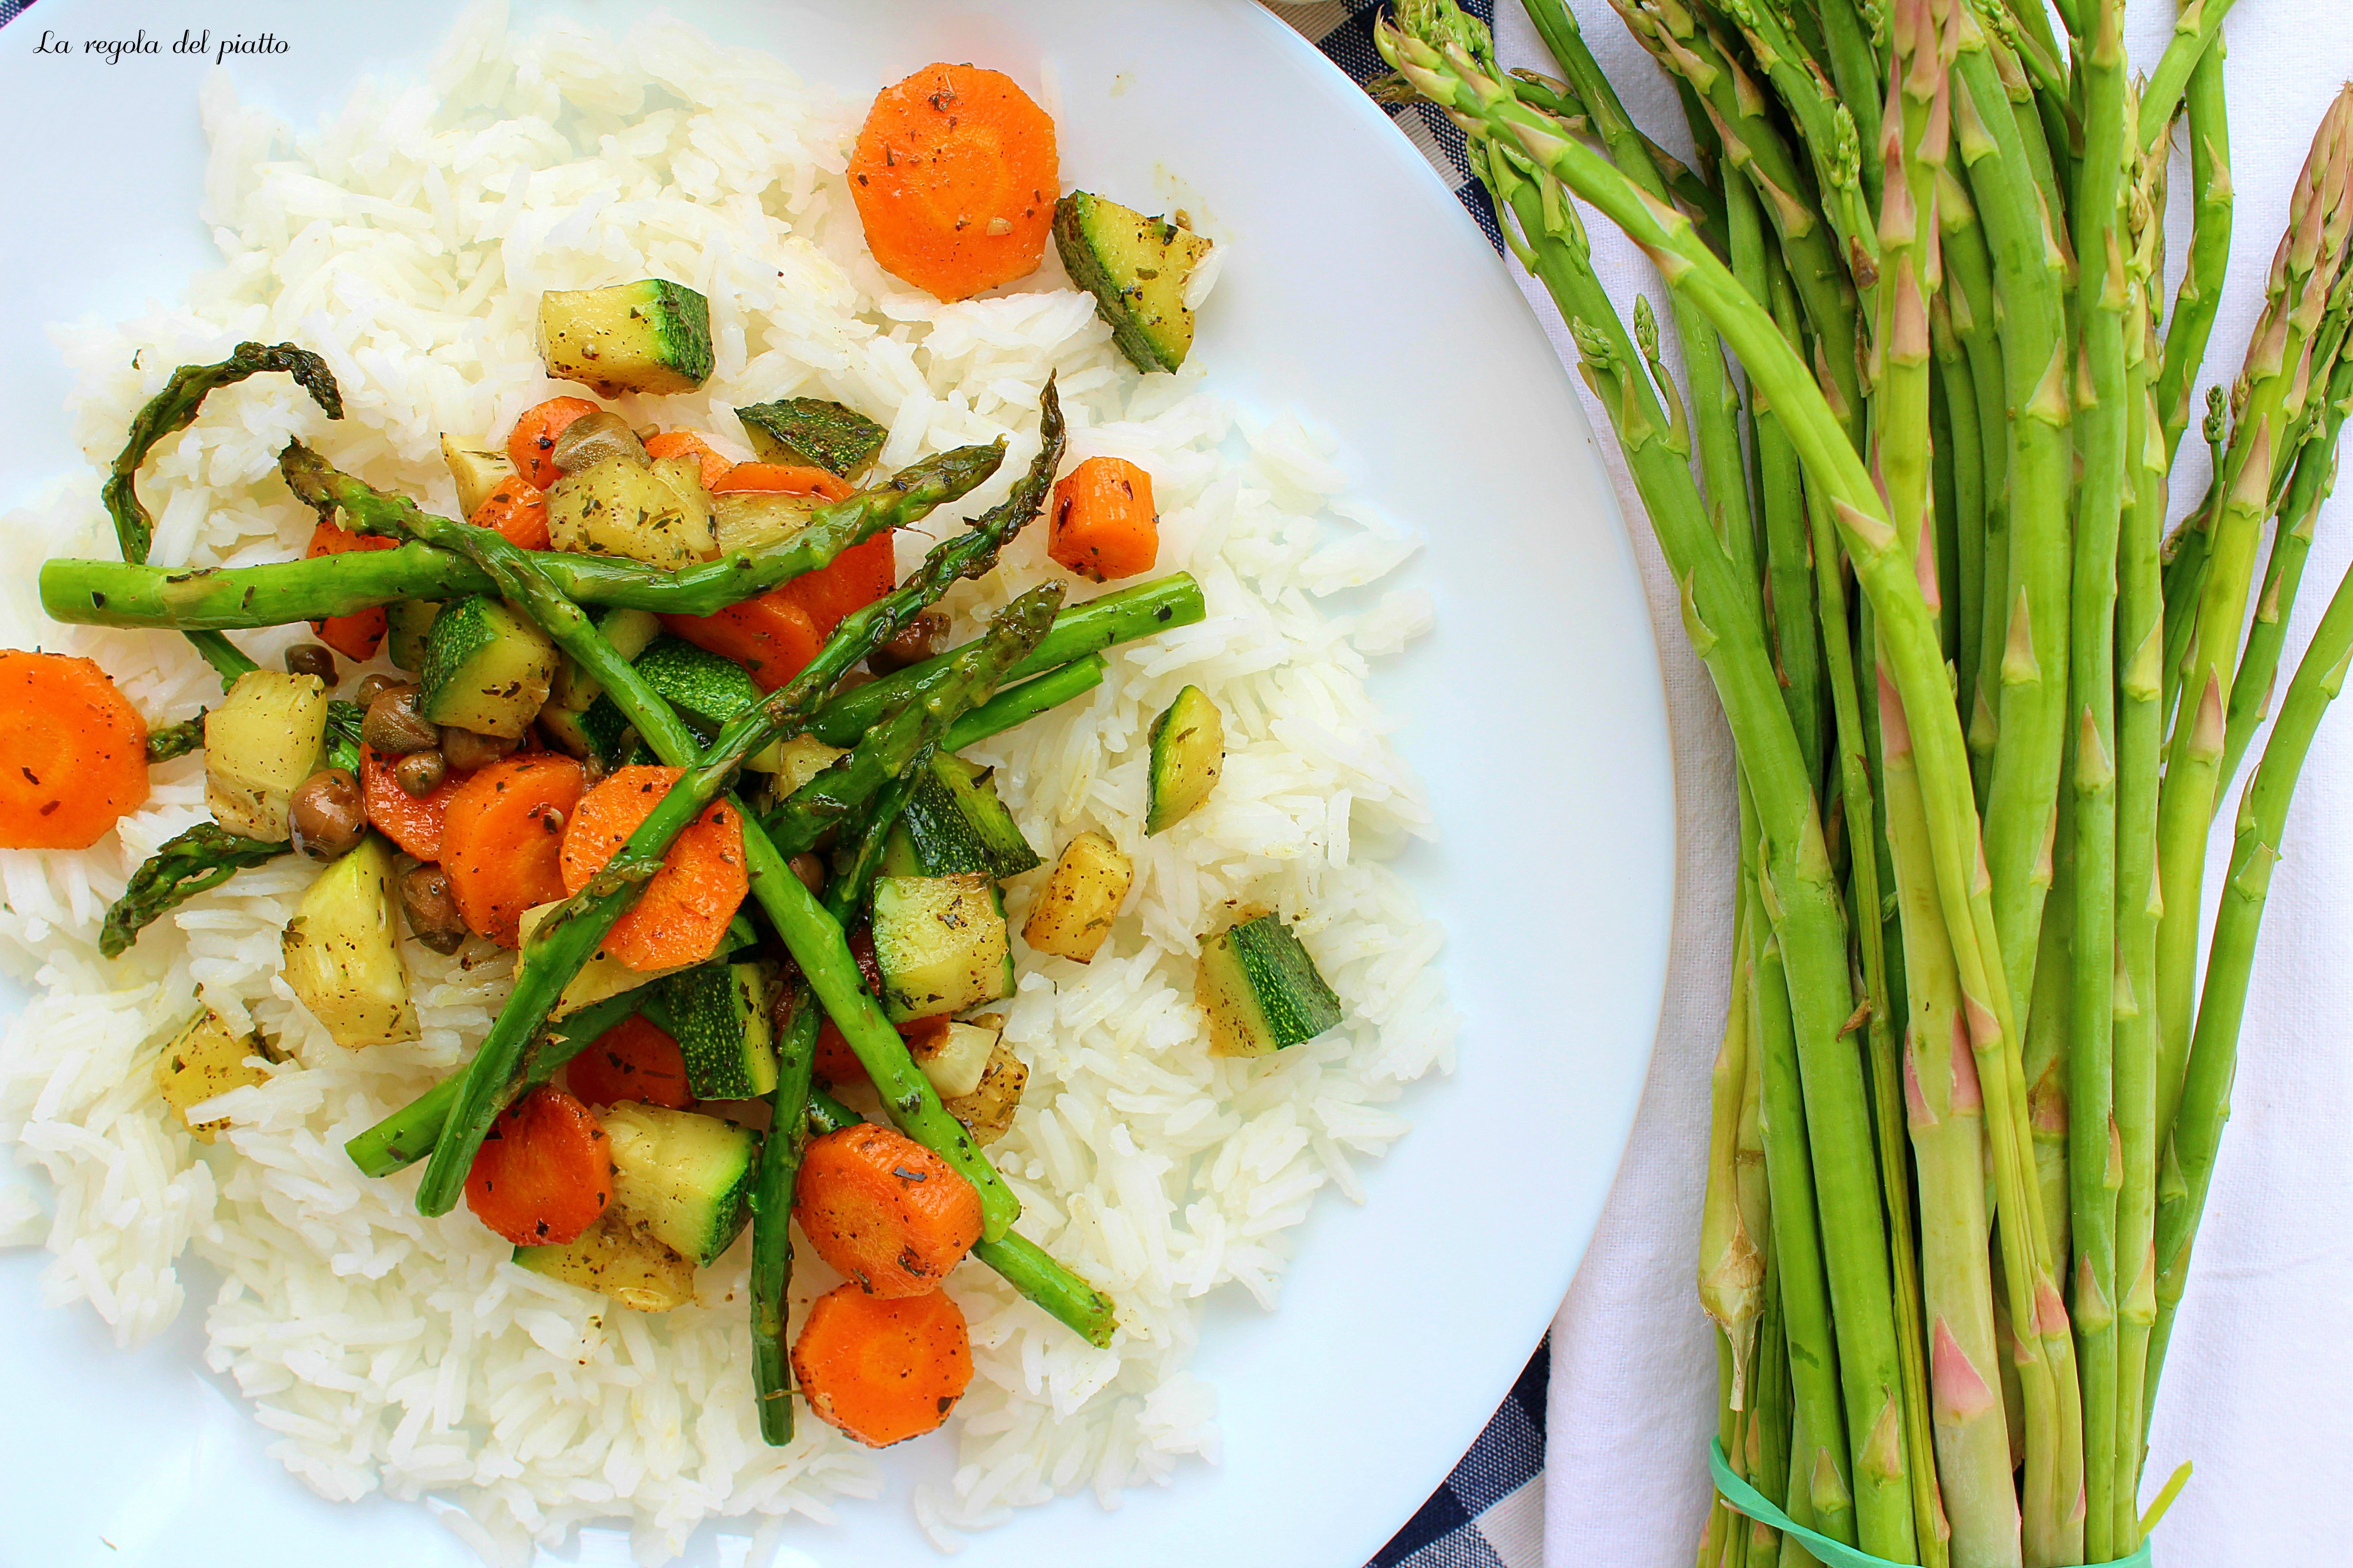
(1358, 290)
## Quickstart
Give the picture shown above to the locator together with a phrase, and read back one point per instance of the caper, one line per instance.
(420, 773)
(372, 686)
(395, 727)
(431, 906)
(329, 820)
(311, 659)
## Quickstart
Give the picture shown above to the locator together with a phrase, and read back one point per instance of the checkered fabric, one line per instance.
(1490, 1512)
(1343, 29)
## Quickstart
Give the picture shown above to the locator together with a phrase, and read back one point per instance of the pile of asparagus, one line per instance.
(1970, 1094)
(890, 728)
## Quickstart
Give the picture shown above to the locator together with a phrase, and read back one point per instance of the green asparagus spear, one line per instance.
(103, 592)
(772, 1215)
(169, 741)
(172, 410)
(2201, 294)
(196, 861)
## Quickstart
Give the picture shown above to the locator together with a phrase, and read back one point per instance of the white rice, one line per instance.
(407, 239)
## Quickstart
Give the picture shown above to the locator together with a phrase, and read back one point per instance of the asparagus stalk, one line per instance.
(110, 594)
(2195, 36)
(2262, 827)
(195, 861)
(2278, 369)
(2314, 477)
(1725, 619)
(772, 1216)
(2103, 432)
(172, 410)
(2201, 294)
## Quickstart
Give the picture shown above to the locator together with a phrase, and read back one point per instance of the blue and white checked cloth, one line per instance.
(1490, 1512)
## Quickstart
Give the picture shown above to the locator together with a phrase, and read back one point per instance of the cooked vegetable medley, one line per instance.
(676, 730)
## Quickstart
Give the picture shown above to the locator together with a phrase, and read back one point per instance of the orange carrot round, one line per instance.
(684, 909)
(778, 478)
(882, 1370)
(954, 176)
(635, 1059)
(884, 1210)
(687, 443)
(771, 636)
(73, 752)
(532, 446)
(544, 1173)
(1103, 522)
(413, 822)
(502, 840)
(361, 633)
(517, 510)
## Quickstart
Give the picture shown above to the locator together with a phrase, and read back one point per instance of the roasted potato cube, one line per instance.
(202, 1060)
(1080, 898)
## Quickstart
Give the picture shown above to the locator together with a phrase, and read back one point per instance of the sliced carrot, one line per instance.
(73, 752)
(413, 822)
(883, 1370)
(502, 840)
(361, 633)
(684, 909)
(687, 443)
(777, 478)
(849, 583)
(544, 1173)
(955, 175)
(518, 510)
(884, 1210)
(635, 1059)
(1104, 523)
(530, 449)
(771, 635)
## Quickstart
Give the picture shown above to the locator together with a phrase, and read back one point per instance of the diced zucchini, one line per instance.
(987, 1111)
(1080, 899)
(653, 335)
(753, 522)
(681, 1176)
(954, 823)
(342, 951)
(479, 471)
(1189, 752)
(1137, 268)
(601, 977)
(204, 1059)
(706, 689)
(407, 625)
(616, 1258)
(720, 1015)
(486, 668)
(260, 743)
(813, 433)
(955, 1056)
(621, 508)
(1260, 989)
(940, 943)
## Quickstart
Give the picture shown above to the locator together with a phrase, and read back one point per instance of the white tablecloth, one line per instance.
(2259, 1387)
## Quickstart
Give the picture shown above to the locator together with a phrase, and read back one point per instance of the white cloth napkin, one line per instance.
(2259, 1387)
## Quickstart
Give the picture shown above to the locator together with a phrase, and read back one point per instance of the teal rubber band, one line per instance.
(1746, 1500)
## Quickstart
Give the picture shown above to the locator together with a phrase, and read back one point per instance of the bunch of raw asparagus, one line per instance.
(1986, 710)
